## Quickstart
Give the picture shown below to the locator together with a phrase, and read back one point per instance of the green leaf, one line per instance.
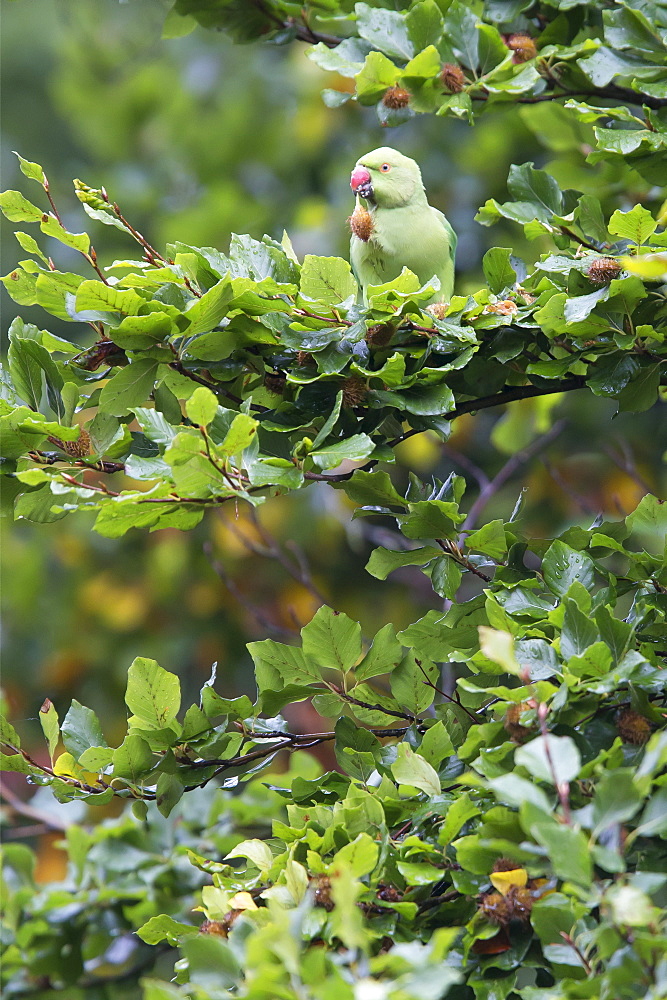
(256, 851)
(240, 434)
(537, 188)
(202, 406)
(431, 519)
(554, 759)
(354, 448)
(617, 799)
(8, 734)
(16, 208)
(419, 872)
(489, 539)
(563, 565)
(32, 170)
(374, 488)
(95, 296)
(641, 392)
(412, 683)
(153, 694)
(206, 312)
(425, 24)
(568, 851)
(327, 279)
(461, 33)
(385, 29)
(129, 387)
(649, 516)
(81, 729)
(357, 750)
(133, 758)
(168, 792)
(277, 664)
(578, 632)
(164, 928)
(378, 73)
(383, 657)
(332, 640)
(498, 270)
(384, 561)
(436, 745)
(422, 400)
(361, 855)
(30, 245)
(498, 646)
(25, 371)
(636, 225)
(410, 768)
(48, 718)
(458, 814)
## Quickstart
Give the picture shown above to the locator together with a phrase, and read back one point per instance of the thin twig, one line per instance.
(509, 468)
(253, 609)
(447, 697)
(22, 808)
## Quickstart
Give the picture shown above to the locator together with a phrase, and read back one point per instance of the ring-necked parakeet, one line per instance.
(393, 225)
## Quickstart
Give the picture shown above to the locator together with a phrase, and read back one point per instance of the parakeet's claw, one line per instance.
(366, 191)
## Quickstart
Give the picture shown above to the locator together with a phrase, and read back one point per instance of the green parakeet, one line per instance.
(393, 225)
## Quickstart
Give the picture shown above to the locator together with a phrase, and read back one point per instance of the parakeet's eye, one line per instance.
(385, 168)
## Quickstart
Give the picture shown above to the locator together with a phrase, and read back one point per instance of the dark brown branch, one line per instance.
(447, 697)
(451, 549)
(373, 708)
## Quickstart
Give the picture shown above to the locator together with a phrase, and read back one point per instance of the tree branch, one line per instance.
(509, 468)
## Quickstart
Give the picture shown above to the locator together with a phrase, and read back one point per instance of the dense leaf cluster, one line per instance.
(514, 823)
(218, 376)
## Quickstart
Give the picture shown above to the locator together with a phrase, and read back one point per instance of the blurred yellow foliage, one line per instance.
(121, 606)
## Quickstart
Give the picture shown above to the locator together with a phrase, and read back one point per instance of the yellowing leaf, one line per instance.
(503, 881)
(243, 901)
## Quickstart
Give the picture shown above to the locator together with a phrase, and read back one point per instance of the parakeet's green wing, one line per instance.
(451, 235)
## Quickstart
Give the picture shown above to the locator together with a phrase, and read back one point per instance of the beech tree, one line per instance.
(495, 824)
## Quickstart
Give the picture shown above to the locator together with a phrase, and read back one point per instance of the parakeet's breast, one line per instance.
(417, 238)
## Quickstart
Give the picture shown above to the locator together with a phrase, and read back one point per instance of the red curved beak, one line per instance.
(360, 177)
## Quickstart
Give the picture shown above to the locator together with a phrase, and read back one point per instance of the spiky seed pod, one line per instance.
(523, 47)
(603, 270)
(495, 908)
(361, 223)
(275, 383)
(633, 727)
(103, 352)
(213, 927)
(396, 97)
(322, 895)
(520, 902)
(504, 308)
(452, 78)
(389, 893)
(517, 732)
(305, 358)
(379, 335)
(76, 449)
(355, 391)
(220, 927)
(437, 309)
(505, 865)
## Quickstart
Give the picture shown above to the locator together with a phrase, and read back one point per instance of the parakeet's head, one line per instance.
(387, 178)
